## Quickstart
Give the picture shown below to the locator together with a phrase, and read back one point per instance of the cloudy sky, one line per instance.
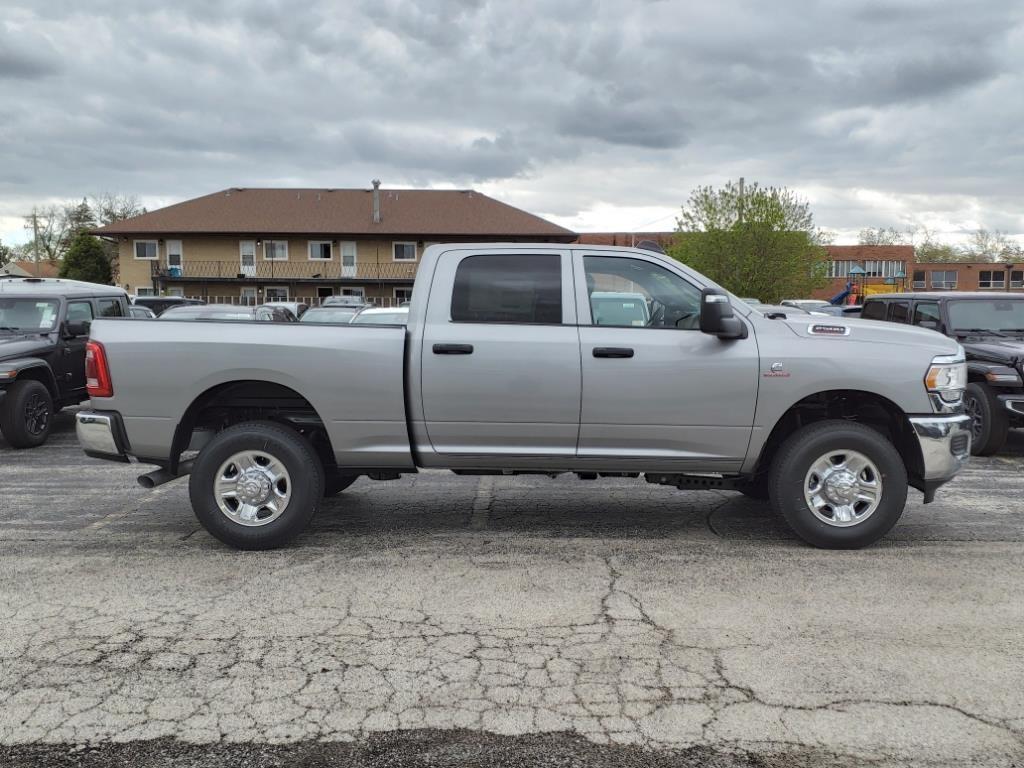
(598, 115)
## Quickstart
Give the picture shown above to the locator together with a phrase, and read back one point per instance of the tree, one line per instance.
(86, 260)
(108, 208)
(883, 236)
(928, 249)
(7, 254)
(48, 226)
(984, 245)
(760, 242)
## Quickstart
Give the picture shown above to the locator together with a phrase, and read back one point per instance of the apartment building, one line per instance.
(255, 245)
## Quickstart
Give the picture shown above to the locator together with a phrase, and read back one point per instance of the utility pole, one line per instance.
(35, 240)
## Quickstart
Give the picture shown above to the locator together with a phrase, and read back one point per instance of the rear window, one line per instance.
(508, 288)
(111, 308)
(873, 310)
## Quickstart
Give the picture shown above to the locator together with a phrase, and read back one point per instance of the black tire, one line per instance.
(792, 465)
(305, 484)
(335, 482)
(990, 421)
(26, 414)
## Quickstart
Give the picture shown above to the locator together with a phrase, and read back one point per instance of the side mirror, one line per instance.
(76, 328)
(717, 318)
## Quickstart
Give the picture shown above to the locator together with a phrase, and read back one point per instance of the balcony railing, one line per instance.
(264, 270)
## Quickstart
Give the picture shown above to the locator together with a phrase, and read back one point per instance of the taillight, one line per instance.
(97, 372)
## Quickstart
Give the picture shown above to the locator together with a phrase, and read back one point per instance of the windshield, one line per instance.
(987, 315)
(338, 315)
(31, 315)
(383, 318)
(207, 313)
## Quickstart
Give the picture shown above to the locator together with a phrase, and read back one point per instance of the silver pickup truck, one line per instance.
(508, 365)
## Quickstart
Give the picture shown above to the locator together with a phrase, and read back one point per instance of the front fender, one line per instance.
(12, 370)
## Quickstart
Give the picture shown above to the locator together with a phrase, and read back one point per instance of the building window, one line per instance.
(992, 278)
(839, 268)
(1017, 279)
(403, 251)
(360, 292)
(248, 296)
(146, 249)
(144, 292)
(176, 292)
(403, 294)
(319, 250)
(275, 293)
(919, 280)
(275, 250)
(174, 255)
(348, 259)
(508, 289)
(944, 280)
(873, 268)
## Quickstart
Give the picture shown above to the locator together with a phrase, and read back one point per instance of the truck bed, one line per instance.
(351, 375)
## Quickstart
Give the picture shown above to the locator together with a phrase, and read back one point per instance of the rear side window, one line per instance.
(899, 311)
(873, 310)
(110, 308)
(508, 288)
(926, 313)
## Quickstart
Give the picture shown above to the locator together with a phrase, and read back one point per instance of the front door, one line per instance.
(348, 259)
(247, 254)
(72, 368)
(654, 386)
(500, 364)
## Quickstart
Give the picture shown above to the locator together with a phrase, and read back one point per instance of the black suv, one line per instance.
(44, 325)
(990, 326)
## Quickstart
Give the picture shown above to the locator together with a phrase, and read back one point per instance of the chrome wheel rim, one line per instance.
(843, 488)
(37, 414)
(252, 488)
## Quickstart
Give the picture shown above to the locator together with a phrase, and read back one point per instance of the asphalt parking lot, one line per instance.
(503, 621)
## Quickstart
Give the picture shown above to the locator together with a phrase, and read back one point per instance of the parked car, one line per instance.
(159, 304)
(503, 368)
(140, 312)
(332, 315)
(808, 304)
(345, 301)
(261, 312)
(839, 310)
(990, 327)
(44, 325)
(382, 316)
(297, 308)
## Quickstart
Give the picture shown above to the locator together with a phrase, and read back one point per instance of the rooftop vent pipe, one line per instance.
(376, 201)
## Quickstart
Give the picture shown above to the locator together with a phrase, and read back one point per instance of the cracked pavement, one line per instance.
(626, 613)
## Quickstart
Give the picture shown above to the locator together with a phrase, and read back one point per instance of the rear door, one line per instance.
(654, 386)
(500, 360)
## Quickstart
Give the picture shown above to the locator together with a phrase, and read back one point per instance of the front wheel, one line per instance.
(839, 484)
(990, 422)
(256, 485)
(26, 414)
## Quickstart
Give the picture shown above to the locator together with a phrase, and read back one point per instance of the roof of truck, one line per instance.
(938, 295)
(47, 286)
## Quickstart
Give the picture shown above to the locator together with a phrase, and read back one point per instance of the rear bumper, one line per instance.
(101, 435)
(945, 447)
(1013, 403)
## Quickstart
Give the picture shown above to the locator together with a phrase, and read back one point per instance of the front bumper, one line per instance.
(945, 448)
(101, 435)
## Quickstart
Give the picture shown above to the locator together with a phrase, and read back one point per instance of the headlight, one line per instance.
(947, 377)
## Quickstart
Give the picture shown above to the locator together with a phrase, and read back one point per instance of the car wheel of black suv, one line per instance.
(990, 422)
(26, 414)
(256, 485)
(838, 484)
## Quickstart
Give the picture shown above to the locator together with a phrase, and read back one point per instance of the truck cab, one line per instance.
(44, 326)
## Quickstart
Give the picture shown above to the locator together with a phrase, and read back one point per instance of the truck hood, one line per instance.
(996, 350)
(23, 345)
(872, 332)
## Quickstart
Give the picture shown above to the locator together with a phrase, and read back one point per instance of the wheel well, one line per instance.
(866, 408)
(233, 402)
(43, 374)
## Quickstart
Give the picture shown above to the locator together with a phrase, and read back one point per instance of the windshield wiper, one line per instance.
(965, 331)
(8, 328)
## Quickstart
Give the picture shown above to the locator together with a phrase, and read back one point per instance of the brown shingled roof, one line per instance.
(341, 211)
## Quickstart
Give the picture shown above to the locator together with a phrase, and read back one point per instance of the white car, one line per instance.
(382, 316)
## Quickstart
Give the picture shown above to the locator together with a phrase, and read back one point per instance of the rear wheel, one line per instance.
(990, 422)
(839, 484)
(256, 485)
(26, 414)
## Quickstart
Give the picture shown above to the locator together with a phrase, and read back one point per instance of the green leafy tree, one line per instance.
(86, 260)
(7, 254)
(883, 236)
(758, 242)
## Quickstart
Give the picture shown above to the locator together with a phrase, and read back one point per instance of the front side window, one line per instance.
(146, 249)
(404, 251)
(79, 311)
(110, 308)
(899, 312)
(633, 293)
(275, 250)
(508, 288)
(926, 313)
(320, 250)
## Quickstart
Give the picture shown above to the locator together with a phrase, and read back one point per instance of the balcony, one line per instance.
(263, 271)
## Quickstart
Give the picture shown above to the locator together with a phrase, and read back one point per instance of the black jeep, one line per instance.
(44, 325)
(990, 326)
